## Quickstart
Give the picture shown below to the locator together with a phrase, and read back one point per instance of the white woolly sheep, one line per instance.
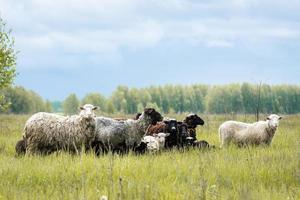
(242, 134)
(155, 142)
(123, 135)
(45, 133)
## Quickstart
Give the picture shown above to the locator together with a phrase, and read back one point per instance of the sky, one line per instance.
(95, 45)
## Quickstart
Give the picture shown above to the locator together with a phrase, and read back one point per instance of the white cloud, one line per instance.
(104, 27)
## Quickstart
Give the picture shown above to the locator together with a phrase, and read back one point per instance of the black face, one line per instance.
(193, 120)
(154, 115)
(183, 129)
(137, 116)
(171, 126)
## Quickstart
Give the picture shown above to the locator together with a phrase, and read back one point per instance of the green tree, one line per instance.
(22, 101)
(71, 104)
(153, 105)
(48, 106)
(110, 107)
(96, 99)
(249, 98)
(7, 62)
(19, 100)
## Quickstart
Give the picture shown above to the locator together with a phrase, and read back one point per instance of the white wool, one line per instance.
(112, 132)
(152, 143)
(155, 142)
(256, 133)
(47, 132)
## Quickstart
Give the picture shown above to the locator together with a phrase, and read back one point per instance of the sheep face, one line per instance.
(171, 126)
(193, 120)
(161, 139)
(87, 111)
(182, 129)
(151, 143)
(273, 121)
(153, 115)
(184, 134)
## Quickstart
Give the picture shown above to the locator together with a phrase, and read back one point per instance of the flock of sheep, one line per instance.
(45, 133)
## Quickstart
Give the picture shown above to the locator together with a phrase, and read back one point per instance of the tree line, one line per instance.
(231, 98)
(198, 98)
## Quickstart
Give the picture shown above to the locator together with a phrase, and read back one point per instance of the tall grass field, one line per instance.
(232, 173)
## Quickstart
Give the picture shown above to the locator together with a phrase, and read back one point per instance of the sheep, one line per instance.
(202, 144)
(20, 147)
(183, 135)
(45, 133)
(164, 126)
(179, 135)
(243, 134)
(167, 126)
(193, 120)
(156, 142)
(123, 135)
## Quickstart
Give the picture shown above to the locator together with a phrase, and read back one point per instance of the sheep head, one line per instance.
(171, 125)
(153, 114)
(87, 111)
(273, 121)
(192, 120)
(161, 139)
(183, 129)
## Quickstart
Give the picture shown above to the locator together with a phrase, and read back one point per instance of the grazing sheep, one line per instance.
(45, 133)
(123, 135)
(156, 142)
(20, 147)
(242, 134)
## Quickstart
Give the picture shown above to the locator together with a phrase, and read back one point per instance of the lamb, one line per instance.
(156, 142)
(45, 133)
(242, 134)
(123, 135)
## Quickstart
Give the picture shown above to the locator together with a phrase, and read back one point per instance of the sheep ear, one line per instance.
(81, 108)
(179, 123)
(268, 118)
(95, 108)
(167, 134)
(280, 117)
(154, 135)
(166, 122)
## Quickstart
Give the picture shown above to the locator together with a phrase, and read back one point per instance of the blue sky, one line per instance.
(95, 45)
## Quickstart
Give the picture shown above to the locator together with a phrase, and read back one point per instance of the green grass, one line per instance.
(232, 173)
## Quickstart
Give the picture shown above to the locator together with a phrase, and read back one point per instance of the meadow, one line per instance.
(233, 173)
